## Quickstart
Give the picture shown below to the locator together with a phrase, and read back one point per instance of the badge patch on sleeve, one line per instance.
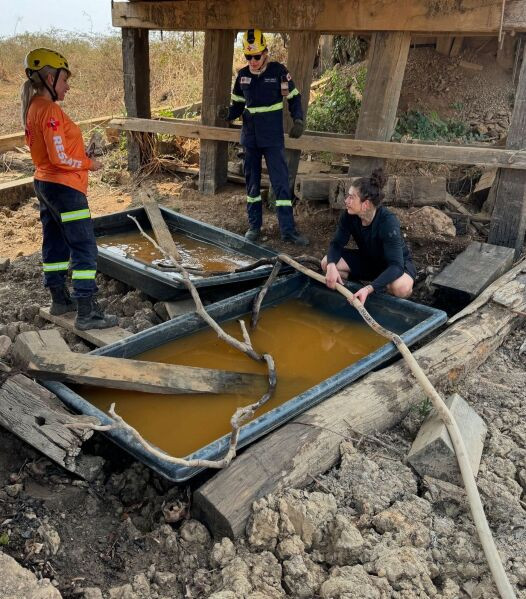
(53, 123)
(288, 77)
(245, 80)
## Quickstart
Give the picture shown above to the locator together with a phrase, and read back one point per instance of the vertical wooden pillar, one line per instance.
(386, 66)
(508, 221)
(303, 47)
(443, 45)
(136, 69)
(506, 52)
(217, 84)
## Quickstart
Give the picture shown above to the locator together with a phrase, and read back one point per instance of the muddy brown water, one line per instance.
(307, 345)
(194, 253)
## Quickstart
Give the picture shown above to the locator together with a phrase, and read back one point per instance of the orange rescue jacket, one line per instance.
(56, 145)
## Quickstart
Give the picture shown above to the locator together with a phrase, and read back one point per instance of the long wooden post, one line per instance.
(303, 47)
(385, 72)
(217, 83)
(508, 222)
(136, 70)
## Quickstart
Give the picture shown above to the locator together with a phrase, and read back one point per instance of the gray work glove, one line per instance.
(222, 112)
(297, 129)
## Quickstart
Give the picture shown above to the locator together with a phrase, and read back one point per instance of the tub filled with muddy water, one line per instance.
(317, 339)
(126, 255)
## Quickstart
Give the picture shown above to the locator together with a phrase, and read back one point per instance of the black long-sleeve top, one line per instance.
(381, 244)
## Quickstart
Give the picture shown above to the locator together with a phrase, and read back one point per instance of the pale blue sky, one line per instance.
(79, 16)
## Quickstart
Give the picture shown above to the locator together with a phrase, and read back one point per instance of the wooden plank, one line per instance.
(314, 188)
(475, 268)
(508, 223)
(217, 82)
(444, 44)
(340, 144)
(309, 445)
(179, 307)
(17, 191)
(454, 204)
(98, 337)
(506, 52)
(118, 373)
(303, 46)
(385, 72)
(160, 228)
(456, 47)
(399, 191)
(462, 16)
(136, 71)
(38, 417)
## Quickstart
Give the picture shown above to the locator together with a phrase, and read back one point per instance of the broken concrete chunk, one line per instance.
(432, 452)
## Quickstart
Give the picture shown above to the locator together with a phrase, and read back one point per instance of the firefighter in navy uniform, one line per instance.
(258, 95)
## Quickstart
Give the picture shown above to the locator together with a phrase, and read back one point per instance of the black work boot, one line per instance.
(253, 234)
(91, 316)
(61, 301)
(295, 238)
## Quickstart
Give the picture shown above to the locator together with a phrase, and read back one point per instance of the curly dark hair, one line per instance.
(370, 188)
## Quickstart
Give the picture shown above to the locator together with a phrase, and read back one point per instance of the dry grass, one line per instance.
(97, 82)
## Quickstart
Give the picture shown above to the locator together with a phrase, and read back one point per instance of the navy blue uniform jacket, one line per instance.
(259, 99)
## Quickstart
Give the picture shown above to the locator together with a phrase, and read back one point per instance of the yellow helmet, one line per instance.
(43, 57)
(254, 42)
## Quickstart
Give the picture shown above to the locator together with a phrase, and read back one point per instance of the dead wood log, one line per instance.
(159, 226)
(38, 417)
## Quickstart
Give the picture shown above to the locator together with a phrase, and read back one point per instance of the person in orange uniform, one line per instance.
(61, 183)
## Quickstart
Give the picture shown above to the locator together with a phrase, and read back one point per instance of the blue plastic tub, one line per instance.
(410, 320)
(168, 285)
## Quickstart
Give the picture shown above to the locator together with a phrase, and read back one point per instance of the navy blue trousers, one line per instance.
(279, 179)
(68, 239)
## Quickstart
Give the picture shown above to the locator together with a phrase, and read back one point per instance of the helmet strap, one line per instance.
(52, 91)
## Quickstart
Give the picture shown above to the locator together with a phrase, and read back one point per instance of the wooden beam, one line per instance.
(444, 44)
(309, 445)
(160, 228)
(120, 373)
(39, 418)
(136, 71)
(385, 72)
(97, 337)
(340, 144)
(14, 192)
(508, 223)
(303, 47)
(331, 16)
(456, 47)
(217, 83)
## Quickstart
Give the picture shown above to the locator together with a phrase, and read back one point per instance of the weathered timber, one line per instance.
(454, 204)
(132, 375)
(217, 81)
(444, 44)
(179, 307)
(136, 71)
(399, 191)
(463, 17)
(309, 445)
(506, 52)
(456, 47)
(14, 192)
(160, 228)
(39, 342)
(475, 268)
(484, 185)
(98, 337)
(300, 62)
(388, 53)
(340, 144)
(313, 187)
(508, 223)
(432, 453)
(39, 418)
